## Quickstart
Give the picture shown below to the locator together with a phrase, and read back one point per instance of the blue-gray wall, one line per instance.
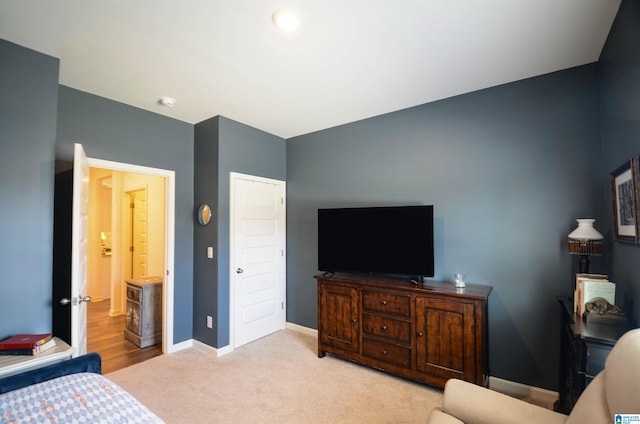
(620, 90)
(205, 270)
(242, 149)
(116, 132)
(508, 169)
(28, 103)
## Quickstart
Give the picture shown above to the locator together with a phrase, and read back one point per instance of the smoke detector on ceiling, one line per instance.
(167, 101)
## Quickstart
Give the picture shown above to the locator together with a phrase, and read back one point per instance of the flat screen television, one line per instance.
(380, 240)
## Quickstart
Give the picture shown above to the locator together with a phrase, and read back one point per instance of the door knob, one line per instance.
(75, 301)
(239, 270)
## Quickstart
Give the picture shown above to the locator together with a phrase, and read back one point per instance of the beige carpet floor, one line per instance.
(277, 379)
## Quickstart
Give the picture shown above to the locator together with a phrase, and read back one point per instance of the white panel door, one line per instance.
(138, 233)
(80, 213)
(257, 257)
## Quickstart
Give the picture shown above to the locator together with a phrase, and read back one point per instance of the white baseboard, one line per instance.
(210, 350)
(519, 390)
(179, 346)
(199, 346)
(224, 350)
(115, 312)
(301, 329)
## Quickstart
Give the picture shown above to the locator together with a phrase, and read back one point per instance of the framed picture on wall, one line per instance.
(625, 192)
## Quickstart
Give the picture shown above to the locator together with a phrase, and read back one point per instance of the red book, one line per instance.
(24, 341)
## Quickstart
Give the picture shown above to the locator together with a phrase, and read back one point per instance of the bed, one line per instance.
(69, 391)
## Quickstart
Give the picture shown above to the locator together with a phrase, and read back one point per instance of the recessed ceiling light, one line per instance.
(167, 101)
(285, 20)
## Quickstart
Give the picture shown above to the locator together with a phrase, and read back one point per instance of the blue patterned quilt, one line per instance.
(75, 398)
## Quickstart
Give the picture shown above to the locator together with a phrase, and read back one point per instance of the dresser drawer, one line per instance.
(386, 327)
(392, 304)
(133, 293)
(387, 352)
(596, 357)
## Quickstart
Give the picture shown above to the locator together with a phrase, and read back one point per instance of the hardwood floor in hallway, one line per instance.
(105, 336)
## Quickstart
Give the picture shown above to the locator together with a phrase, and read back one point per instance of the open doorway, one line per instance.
(126, 245)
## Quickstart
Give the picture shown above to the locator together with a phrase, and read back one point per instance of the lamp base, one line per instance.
(584, 264)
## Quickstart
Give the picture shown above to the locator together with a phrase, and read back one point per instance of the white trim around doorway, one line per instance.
(168, 285)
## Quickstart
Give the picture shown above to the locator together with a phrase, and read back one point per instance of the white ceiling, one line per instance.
(347, 61)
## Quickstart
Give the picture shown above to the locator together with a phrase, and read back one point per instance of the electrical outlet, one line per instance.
(209, 321)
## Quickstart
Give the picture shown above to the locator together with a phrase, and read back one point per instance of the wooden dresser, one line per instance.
(583, 351)
(428, 333)
(143, 325)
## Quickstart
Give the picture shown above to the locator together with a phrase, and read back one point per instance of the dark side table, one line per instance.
(583, 351)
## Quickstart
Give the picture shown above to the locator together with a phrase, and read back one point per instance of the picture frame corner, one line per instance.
(626, 213)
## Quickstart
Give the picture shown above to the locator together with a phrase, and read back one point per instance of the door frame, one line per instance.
(168, 282)
(233, 176)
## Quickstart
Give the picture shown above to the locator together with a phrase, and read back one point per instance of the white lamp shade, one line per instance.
(585, 231)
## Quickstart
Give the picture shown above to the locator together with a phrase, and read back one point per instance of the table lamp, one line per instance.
(585, 241)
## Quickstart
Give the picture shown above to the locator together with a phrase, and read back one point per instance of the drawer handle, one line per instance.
(384, 328)
(420, 334)
(384, 302)
(384, 352)
(354, 320)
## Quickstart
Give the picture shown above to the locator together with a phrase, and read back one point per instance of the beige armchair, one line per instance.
(616, 390)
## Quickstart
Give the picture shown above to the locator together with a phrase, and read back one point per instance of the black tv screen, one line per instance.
(382, 240)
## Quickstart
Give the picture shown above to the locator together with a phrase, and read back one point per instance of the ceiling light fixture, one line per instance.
(167, 101)
(285, 20)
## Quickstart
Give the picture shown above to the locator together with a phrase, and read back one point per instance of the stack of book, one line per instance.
(26, 344)
(590, 287)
